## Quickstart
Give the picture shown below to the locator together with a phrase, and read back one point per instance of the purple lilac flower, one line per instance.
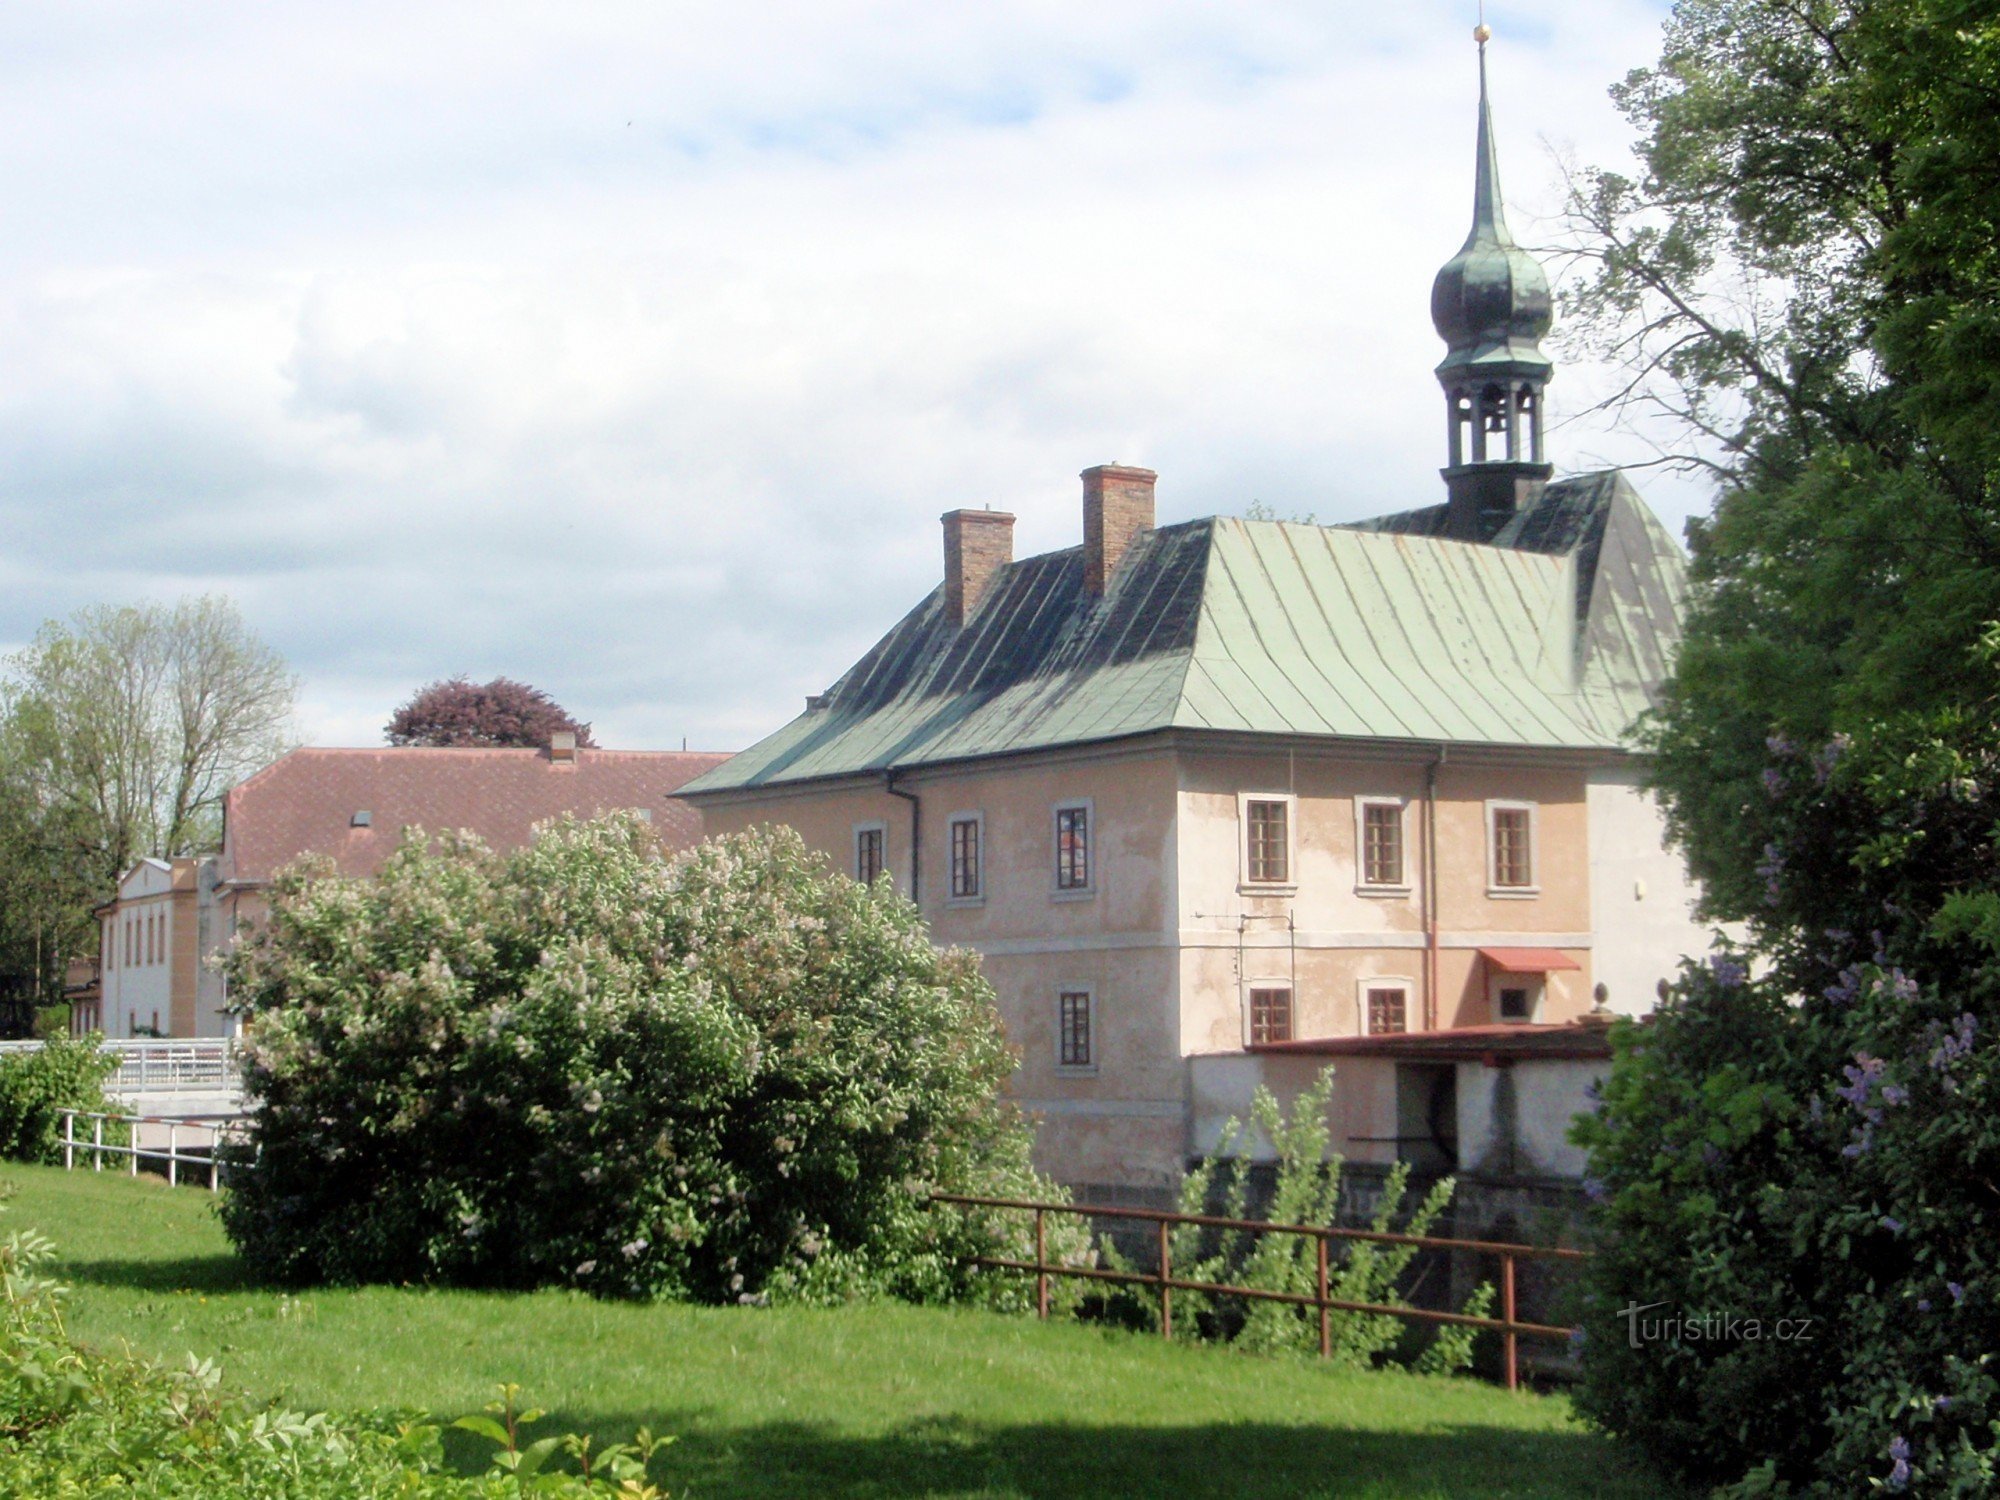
(1954, 1043)
(1727, 971)
(1774, 782)
(1923, 1304)
(1894, 1226)
(1771, 866)
(1844, 989)
(1899, 1470)
(1829, 756)
(1942, 1404)
(1957, 1292)
(1901, 986)
(1593, 1189)
(1778, 744)
(1862, 1076)
(1816, 1109)
(1894, 1093)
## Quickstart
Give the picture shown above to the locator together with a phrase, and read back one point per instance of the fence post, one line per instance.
(69, 1140)
(1325, 1312)
(97, 1143)
(173, 1154)
(1510, 1341)
(1041, 1265)
(214, 1157)
(132, 1143)
(1166, 1279)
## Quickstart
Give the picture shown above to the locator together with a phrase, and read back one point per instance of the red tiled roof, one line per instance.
(1573, 1039)
(305, 802)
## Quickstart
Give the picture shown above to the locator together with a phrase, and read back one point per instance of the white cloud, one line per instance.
(634, 350)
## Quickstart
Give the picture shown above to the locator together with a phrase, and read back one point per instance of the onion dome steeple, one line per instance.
(1490, 304)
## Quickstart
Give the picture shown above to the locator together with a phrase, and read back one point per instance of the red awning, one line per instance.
(1528, 960)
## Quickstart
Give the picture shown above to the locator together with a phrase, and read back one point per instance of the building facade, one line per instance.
(1227, 802)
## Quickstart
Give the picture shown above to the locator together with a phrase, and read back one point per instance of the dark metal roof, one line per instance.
(1576, 1040)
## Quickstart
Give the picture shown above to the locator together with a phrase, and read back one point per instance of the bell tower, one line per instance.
(1490, 305)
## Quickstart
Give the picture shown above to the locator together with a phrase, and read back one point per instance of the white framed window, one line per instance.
(1517, 998)
(1076, 1029)
(1512, 858)
(1268, 1004)
(1382, 846)
(871, 850)
(1266, 820)
(966, 841)
(1385, 1005)
(1075, 853)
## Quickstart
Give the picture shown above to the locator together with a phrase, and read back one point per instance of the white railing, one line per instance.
(196, 1144)
(148, 1065)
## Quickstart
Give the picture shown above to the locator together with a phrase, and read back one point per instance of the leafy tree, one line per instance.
(1807, 276)
(497, 714)
(723, 1077)
(122, 729)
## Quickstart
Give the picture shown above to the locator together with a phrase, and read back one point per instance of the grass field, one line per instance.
(868, 1401)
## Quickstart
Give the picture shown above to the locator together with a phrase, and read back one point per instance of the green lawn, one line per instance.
(875, 1401)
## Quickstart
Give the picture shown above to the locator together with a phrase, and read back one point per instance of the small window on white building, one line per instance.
(1379, 834)
(1387, 1008)
(1267, 840)
(1076, 1042)
(870, 851)
(1510, 848)
(967, 877)
(1074, 871)
(1270, 1013)
(1514, 1000)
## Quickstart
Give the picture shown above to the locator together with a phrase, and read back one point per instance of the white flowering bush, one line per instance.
(726, 1076)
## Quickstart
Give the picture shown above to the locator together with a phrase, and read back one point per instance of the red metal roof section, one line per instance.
(1570, 1040)
(1528, 960)
(305, 802)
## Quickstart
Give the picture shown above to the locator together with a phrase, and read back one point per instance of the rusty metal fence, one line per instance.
(1509, 1326)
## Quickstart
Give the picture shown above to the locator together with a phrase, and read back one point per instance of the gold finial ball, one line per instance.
(1482, 33)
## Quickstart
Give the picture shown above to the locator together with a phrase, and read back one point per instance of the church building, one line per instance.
(1226, 802)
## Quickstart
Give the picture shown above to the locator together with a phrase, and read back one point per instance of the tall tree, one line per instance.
(500, 714)
(123, 728)
(1807, 275)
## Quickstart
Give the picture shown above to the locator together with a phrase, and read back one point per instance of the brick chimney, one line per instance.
(977, 545)
(562, 747)
(1117, 506)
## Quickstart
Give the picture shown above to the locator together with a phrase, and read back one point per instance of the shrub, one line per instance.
(1796, 1157)
(35, 1087)
(727, 1076)
(74, 1421)
(1307, 1191)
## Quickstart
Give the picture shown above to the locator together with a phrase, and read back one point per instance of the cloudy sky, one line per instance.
(634, 349)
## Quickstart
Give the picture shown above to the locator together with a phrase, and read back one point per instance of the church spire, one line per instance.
(1490, 305)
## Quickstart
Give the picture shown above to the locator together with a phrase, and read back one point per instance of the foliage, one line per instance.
(730, 1076)
(35, 1087)
(495, 714)
(1816, 1140)
(120, 731)
(1307, 1191)
(1807, 276)
(74, 1421)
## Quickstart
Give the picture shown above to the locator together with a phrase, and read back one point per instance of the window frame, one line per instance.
(1535, 986)
(1088, 1067)
(977, 895)
(1401, 982)
(1251, 989)
(880, 828)
(1246, 881)
(1362, 884)
(1533, 887)
(1057, 890)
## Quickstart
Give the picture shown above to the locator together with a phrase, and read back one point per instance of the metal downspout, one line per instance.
(1431, 891)
(916, 835)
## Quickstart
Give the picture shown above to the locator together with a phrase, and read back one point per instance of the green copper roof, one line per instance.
(1556, 638)
(1490, 302)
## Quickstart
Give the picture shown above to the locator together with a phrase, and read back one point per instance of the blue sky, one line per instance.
(634, 349)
